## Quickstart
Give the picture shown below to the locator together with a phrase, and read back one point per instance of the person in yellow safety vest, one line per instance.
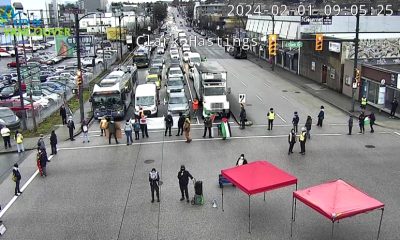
(363, 102)
(271, 117)
(302, 140)
(20, 141)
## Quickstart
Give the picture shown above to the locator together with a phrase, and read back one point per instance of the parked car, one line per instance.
(8, 92)
(8, 118)
(175, 85)
(13, 64)
(44, 75)
(178, 103)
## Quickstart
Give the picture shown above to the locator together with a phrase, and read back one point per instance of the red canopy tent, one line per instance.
(257, 177)
(336, 200)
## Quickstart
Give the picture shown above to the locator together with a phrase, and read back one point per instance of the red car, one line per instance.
(13, 64)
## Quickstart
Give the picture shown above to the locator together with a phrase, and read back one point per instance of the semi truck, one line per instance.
(210, 84)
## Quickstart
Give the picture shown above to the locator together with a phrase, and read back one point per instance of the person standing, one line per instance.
(271, 117)
(186, 129)
(154, 179)
(17, 179)
(63, 114)
(350, 124)
(136, 128)
(181, 121)
(71, 128)
(321, 116)
(291, 140)
(20, 141)
(112, 131)
(169, 122)
(43, 162)
(372, 121)
(103, 126)
(183, 176)
(295, 121)
(241, 160)
(361, 119)
(53, 142)
(207, 126)
(42, 146)
(143, 125)
(302, 140)
(5, 133)
(308, 126)
(85, 131)
(195, 106)
(363, 102)
(243, 117)
(393, 108)
(128, 132)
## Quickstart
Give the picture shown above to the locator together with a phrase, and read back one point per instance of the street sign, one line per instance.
(316, 20)
(293, 44)
(242, 98)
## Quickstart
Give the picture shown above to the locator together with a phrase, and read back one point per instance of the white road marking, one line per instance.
(287, 99)
(281, 118)
(11, 202)
(267, 85)
(243, 83)
(397, 133)
(259, 98)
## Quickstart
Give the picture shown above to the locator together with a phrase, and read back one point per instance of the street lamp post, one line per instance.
(356, 40)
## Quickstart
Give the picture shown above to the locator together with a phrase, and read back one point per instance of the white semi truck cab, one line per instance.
(210, 84)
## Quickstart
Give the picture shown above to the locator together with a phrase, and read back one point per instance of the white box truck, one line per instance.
(210, 84)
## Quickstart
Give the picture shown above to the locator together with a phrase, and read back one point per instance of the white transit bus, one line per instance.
(113, 95)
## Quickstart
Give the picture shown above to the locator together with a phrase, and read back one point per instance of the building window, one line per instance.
(347, 80)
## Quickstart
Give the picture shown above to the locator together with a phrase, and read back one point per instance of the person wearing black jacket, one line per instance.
(241, 160)
(207, 126)
(43, 162)
(291, 140)
(181, 121)
(63, 114)
(243, 117)
(53, 142)
(183, 176)
(17, 177)
(308, 126)
(71, 128)
(361, 119)
(169, 122)
(295, 122)
(321, 116)
(154, 179)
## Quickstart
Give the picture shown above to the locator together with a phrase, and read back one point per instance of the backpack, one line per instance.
(84, 128)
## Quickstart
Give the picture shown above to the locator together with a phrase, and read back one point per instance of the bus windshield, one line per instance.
(145, 101)
(108, 100)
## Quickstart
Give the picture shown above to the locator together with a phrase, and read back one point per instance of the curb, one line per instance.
(326, 101)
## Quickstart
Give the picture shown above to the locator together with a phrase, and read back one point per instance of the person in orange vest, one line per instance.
(195, 106)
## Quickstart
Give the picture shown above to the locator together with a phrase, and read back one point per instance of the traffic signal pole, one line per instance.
(356, 40)
(78, 55)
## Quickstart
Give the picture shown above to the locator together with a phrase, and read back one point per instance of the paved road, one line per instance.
(101, 191)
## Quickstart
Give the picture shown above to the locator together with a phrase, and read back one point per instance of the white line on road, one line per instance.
(397, 133)
(243, 83)
(287, 99)
(194, 140)
(11, 202)
(281, 118)
(267, 85)
(259, 98)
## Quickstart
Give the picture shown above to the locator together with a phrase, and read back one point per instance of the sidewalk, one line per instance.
(327, 95)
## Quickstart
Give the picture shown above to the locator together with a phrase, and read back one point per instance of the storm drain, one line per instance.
(369, 146)
(297, 92)
(249, 104)
(284, 90)
(148, 161)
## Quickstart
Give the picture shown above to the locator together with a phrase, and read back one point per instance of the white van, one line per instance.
(194, 59)
(146, 97)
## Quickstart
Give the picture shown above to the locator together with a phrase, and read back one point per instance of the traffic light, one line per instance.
(272, 44)
(319, 42)
(79, 79)
(357, 76)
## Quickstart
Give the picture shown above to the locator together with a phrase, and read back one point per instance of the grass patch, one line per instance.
(49, 123)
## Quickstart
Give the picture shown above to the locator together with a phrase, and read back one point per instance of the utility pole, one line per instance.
(78, 55)
(356, 40)
(21, 97)
(120, 36)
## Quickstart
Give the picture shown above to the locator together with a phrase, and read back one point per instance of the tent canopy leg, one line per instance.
(380, 224)
(249, 217)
